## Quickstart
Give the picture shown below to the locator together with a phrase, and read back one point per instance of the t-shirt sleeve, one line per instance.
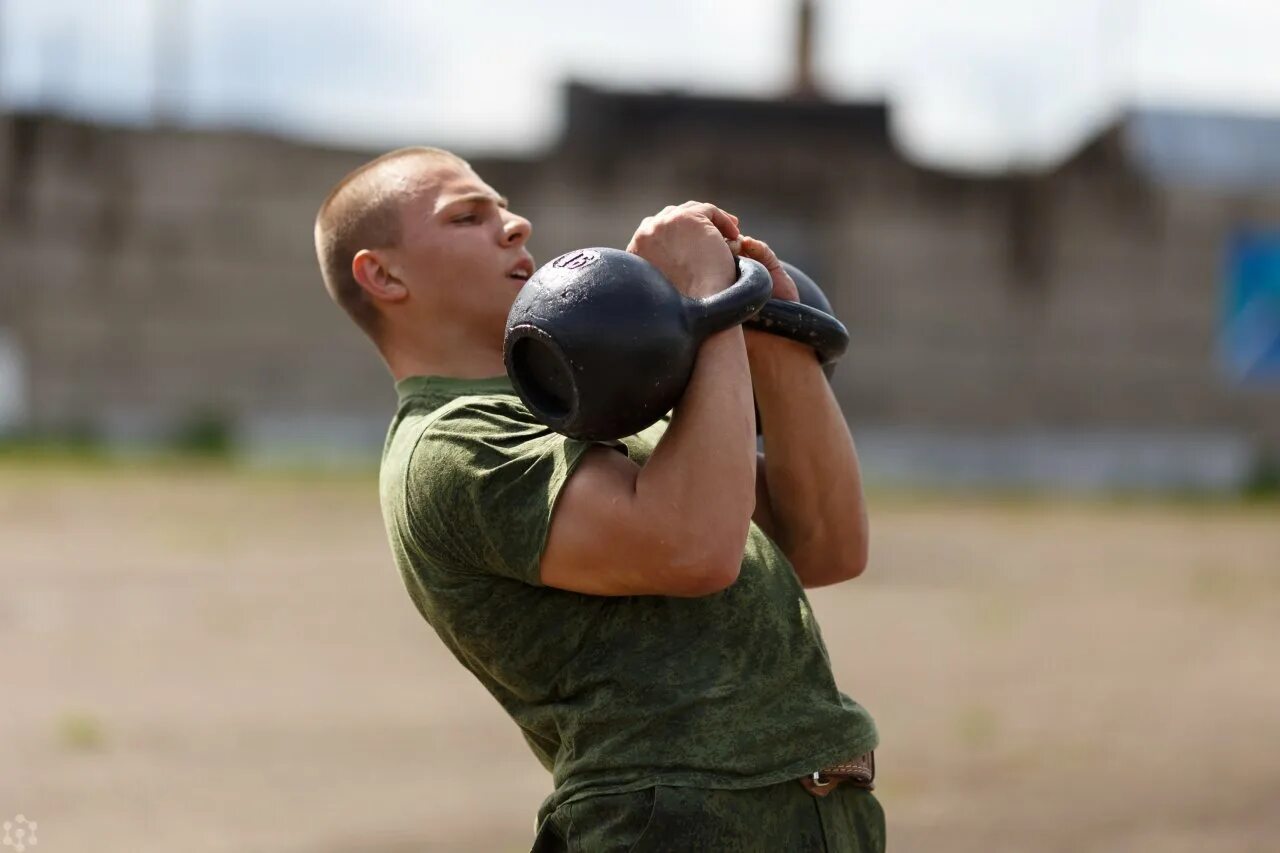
(481, 486)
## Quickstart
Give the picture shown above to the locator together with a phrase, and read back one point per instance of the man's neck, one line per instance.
(479, 363)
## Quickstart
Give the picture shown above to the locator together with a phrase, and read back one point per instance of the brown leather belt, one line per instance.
(859, 772)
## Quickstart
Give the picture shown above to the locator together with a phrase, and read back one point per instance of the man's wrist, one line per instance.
(770, 349)
(705, 286)
(701, 290)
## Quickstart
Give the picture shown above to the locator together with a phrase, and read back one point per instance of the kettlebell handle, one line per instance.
(735, 304)
(806, 324)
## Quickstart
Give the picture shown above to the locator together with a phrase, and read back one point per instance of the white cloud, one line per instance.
(1208, 52)
(979, 84)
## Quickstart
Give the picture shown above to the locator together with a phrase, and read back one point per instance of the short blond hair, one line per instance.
(364, 212)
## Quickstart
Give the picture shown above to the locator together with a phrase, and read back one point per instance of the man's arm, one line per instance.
(809, 486)
(678, 525)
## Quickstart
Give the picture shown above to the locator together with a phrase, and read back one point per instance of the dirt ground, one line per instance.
(197, 659)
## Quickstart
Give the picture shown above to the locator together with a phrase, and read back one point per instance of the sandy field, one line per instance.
(197, 659)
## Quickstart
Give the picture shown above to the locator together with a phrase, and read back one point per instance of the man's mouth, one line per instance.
(522, 270)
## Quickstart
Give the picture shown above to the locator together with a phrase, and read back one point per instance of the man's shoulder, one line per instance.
(484, 424)
(463, 481)
(466, 416)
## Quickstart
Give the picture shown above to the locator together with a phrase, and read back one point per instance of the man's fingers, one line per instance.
(783, 285)
(643, 231)
(758, 250)
(688, 204)
(725, 223)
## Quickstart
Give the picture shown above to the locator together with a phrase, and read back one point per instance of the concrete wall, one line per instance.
(152, 278)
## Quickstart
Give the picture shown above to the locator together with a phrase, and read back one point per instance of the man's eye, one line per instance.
(467, 217)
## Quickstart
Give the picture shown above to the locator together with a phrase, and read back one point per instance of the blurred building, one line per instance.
(1060, 327)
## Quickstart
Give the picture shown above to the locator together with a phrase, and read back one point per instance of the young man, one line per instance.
(637, 608)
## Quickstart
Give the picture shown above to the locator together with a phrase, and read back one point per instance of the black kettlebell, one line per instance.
(810, 321)
(599, 344)
(810, 293)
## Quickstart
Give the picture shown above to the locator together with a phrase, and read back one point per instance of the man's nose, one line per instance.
(516, 230)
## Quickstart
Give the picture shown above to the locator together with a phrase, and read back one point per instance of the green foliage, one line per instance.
(977, 726)
(1264, 481)
(81, 732)
(205, 433)
(80, 442)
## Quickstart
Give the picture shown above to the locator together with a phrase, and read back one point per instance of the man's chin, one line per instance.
(503, 308)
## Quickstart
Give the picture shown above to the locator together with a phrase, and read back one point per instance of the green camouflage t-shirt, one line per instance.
(613, 694)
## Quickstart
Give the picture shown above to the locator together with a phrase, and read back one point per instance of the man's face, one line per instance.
(462, 254)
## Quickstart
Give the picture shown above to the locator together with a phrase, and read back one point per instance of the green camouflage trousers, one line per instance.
(783, 818)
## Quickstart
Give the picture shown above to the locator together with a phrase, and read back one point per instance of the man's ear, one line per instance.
(372, 271)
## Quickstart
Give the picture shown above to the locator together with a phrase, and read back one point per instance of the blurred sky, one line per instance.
(981, 84)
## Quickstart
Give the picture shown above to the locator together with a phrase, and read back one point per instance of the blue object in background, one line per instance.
(1250, 335)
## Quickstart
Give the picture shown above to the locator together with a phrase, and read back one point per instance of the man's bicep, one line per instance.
(591, 526)
(602, 542)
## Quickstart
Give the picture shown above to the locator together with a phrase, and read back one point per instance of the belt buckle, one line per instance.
(859, 772)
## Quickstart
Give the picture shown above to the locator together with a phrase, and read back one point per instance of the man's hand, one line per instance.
(758, 250)
(762, 344)
(687, 244)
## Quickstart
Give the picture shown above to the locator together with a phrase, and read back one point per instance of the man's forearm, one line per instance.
(811, 466)
(702, 472)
